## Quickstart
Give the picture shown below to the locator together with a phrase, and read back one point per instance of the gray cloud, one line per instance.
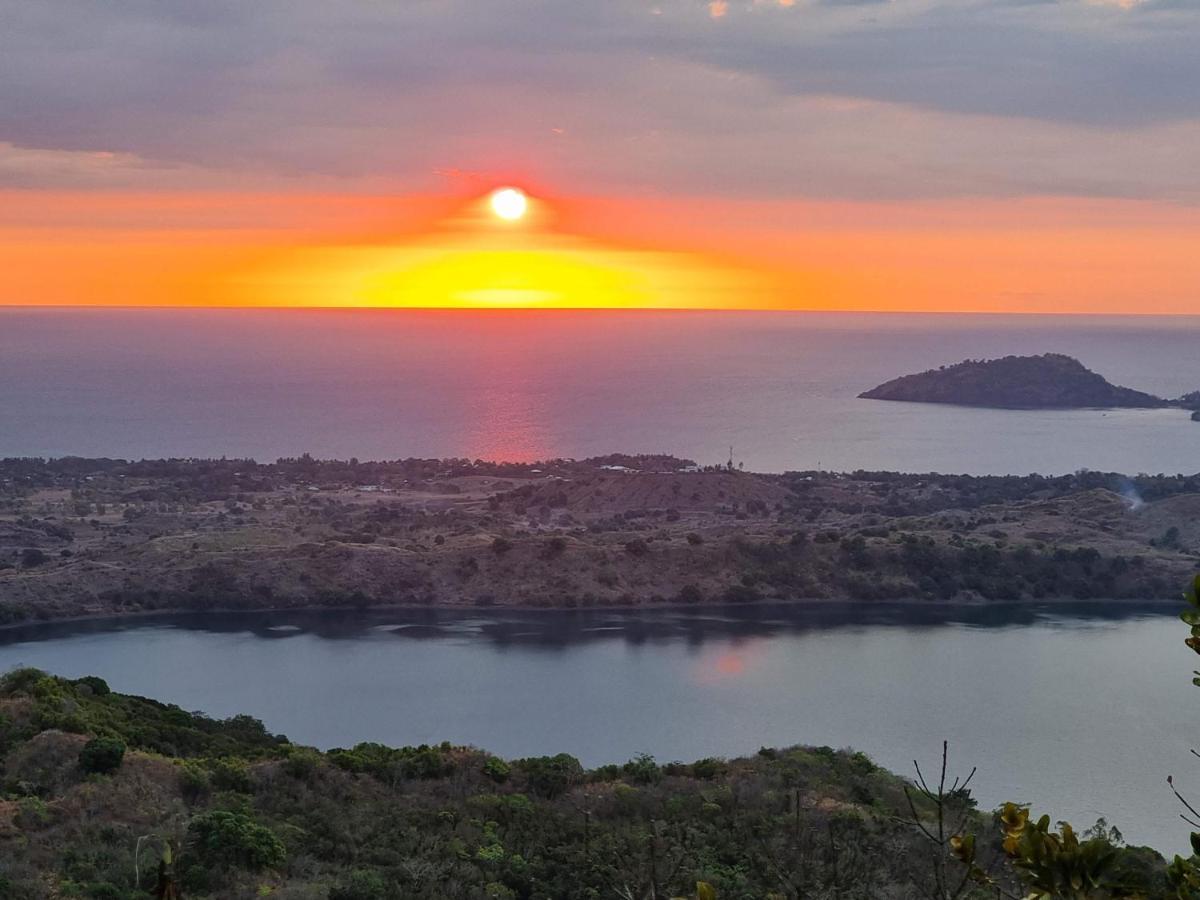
(825, 97)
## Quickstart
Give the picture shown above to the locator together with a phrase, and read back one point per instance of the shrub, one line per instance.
(302, 763)
(551, 776)
(32, 557)
(637, 547)
(98, 686)
(362, 884)
(496, 769)
(707, 769)
(101, 756)
(224, 838)
(390, 764)
(231, 774)
(194, 780)
(32, 812)
(500, 546)
(642, 769)
(21, 681)
(105, 891)
(554, 547)
(862, 763)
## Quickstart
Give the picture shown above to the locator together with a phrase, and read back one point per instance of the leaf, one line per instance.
(705, 891)
(963, 848)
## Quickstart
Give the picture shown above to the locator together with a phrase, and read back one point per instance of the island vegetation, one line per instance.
(1048, 381)
(86, 537)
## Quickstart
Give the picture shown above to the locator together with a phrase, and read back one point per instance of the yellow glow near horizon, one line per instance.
(464, 260)
(509, 203)
(470, 273)
(1061, 255)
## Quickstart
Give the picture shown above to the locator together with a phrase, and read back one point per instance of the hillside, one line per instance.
(94, 785)
(103, 537)
(1050, 381)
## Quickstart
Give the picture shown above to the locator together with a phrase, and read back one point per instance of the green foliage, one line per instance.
(302, 763)
(195, 781)
(642, 769)
(496, 769)
(87, 706)
(98, 686)
(708, 768)
(101, 756)
(551, 776)
(222, 838)
(392, 764)
(32, 812)
(230, 774)
(361, 884)
(1191, 616)
(1057, 865)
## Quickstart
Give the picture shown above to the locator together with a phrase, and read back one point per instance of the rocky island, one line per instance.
(1049, 381)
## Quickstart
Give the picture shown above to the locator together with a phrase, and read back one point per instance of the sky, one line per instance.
(974, 155)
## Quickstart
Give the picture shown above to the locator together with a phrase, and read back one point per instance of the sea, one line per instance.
(777, 391)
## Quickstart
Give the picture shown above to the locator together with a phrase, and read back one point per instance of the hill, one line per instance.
(101, 537)
(95, 784)
(1049, 381)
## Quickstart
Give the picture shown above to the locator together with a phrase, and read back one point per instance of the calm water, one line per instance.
(779, 387)
(1084, 716)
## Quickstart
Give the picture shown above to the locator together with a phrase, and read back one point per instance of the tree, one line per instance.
(101, 756)
(551, 776)
(224, 838)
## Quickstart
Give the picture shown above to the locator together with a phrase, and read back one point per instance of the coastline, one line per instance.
(88, 539)
(1161, 606)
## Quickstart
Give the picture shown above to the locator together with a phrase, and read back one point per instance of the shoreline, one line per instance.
(1161, 605)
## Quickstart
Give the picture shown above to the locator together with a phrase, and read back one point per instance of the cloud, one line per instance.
(824, 97)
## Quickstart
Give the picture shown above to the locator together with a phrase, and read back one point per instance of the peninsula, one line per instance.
(95, 537)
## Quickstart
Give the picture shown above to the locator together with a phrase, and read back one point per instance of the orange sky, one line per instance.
(280, 249)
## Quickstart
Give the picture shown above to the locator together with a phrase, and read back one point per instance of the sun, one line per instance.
(509, 203)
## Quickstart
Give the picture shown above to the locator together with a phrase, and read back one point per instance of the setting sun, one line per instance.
(509, 203)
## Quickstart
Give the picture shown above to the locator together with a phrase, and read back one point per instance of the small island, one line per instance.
(1049, 381)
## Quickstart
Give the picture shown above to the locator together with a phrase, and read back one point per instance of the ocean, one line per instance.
(779, 388)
